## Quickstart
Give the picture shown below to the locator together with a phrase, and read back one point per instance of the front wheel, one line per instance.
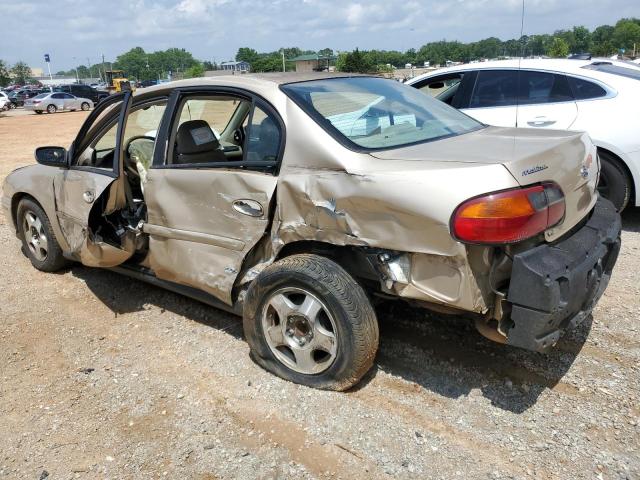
(38, 239)
(308, 321)
(85, 106)
(39, 112)
(614, 184)
(52, 109)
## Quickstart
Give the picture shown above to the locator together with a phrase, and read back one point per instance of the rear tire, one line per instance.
(614, 183)
(85, 106)
(39, 112)
(38, 240)
(331, 348)
(52, 109)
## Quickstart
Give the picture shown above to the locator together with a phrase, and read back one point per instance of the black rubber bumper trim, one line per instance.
(554, 287)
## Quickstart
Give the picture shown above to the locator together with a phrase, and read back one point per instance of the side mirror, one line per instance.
(52, 156)
(436, 85)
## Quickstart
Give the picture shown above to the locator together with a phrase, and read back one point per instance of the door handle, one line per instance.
(89, 196)
(248, 207)
(541, 122)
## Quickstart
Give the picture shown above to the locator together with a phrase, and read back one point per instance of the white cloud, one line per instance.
(217, 28)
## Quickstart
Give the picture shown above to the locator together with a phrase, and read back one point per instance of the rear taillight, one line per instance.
(509, 216)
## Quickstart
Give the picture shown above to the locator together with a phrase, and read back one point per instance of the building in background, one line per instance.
(241, 67)
(313, 62)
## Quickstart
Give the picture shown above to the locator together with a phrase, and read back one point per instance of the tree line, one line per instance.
(604, 40)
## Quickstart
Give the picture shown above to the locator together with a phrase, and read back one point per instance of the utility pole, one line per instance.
(283, 65)
(89, 66)
(103, 71)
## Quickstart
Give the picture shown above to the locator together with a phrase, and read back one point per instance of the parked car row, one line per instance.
(601, 97)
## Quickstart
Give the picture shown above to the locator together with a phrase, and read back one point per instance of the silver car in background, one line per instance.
(53, 102)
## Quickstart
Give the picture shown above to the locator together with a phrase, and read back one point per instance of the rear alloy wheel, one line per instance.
(52, 109)
(38, 240)
(614, 183)
(308, 321)
(85, 106)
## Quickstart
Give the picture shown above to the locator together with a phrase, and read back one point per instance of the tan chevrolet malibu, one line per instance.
(298, 200)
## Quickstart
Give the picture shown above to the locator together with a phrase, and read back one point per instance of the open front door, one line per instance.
(94, 186)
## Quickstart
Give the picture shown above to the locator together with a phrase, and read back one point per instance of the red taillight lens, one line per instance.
(509, 216)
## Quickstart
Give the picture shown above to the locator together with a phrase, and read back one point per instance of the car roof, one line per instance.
(250, 81)
(564, 65)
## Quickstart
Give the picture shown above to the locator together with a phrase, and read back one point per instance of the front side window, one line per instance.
(141, 122)
(495, 88)
(375, 113)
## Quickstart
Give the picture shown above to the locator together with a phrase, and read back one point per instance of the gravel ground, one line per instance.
(106, 377)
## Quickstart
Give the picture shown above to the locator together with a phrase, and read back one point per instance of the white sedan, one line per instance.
(53, 102)
(601, 97)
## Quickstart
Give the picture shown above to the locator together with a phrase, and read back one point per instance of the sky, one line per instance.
(77, 31)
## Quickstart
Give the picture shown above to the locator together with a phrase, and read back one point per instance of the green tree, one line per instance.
(207, 65)
(559, 48)
(21, 73)
(246, 54)
(581, 40)
(325, 52)
(602, 39)
(5, 79)
(356, 62)
(627, 34)
(194, 71)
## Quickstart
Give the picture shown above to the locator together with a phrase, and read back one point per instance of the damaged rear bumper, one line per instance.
(554, 287)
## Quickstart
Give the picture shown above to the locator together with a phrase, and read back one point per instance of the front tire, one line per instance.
(52, 109)
(39, 112)
(38, 240)
(614, 183)
(308, 321)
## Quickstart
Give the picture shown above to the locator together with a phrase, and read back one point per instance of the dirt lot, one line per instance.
(105, 377)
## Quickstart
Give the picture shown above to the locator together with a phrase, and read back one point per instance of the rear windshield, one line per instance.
(374, 113)
(631, 71)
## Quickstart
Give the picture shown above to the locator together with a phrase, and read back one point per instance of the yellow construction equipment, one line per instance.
(117, 81)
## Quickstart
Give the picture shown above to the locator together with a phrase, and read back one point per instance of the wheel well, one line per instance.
(354, 259)
(15, 201)
(625, 168)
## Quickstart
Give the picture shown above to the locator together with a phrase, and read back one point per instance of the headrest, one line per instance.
(195, 136)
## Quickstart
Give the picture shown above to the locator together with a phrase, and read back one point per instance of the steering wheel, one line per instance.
(145, 148)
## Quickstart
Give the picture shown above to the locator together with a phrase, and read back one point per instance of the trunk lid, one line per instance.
(530, 155)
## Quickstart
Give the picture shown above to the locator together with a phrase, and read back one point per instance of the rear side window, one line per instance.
(495, 88)
(584, 89)
(542, 87)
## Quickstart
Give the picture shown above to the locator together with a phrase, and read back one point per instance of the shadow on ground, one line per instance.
(631, 219)
(446, 355)
(443, 354)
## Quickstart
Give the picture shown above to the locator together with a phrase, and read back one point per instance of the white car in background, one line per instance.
(601, 97)
(4, 100)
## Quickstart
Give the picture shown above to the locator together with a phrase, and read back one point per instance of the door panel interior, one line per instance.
(83, 194)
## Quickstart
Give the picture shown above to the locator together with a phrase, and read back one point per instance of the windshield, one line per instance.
(375, 113)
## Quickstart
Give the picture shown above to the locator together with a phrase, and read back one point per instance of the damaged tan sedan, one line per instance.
(297, 201)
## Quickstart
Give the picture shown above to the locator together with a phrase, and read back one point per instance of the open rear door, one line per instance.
(95, 186)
